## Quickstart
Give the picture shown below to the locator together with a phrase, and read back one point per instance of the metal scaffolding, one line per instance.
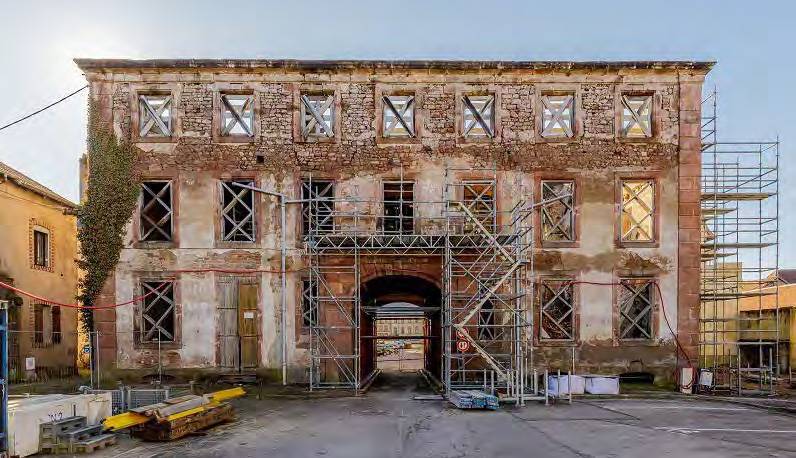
(484, 247)
(739, 318)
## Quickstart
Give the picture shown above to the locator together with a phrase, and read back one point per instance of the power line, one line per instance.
(42, 109)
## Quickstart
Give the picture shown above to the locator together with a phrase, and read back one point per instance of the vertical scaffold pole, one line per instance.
(4, 375)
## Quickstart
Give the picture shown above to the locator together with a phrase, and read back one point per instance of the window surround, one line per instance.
(317, 89)
(558, 277)
(656, 224)
(139, 290)
(573, 90)
(136, 117)
(219, 230)
(655, 113)
(221, 90)
(303, 186)
(416, 91)
(406, 225)
(654, 313)
(478, 90)
(470, 184)
(174, 242)
(34, 226)
(42, 336)
(576, 203)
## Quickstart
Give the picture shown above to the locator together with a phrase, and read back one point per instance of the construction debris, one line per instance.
(473, 399)
(72, 435)
(177, 417)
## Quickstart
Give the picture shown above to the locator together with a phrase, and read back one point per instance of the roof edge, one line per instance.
(298, 64)
(26, 182)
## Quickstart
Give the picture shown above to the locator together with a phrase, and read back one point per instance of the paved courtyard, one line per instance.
(388, 422)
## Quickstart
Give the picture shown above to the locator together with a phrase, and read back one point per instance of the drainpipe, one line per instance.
(282, 268)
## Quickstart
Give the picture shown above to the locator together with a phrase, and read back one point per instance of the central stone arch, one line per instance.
(408, 294)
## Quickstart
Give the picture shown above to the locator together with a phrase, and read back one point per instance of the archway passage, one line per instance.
(400, 312)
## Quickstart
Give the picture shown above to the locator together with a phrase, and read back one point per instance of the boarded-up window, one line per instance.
(158, 311)
(638, 211)
(156, 211)
(635, 308)
(154, 114)
(637, 116)
(479, 198)
(237, 115)
(398, 115)
(399, 215)
(309, 311)
(558, 116)
(317, 115)
(237, 211)
(478, 116)
(558, 211)
(41, 248)
(487, 331)
(556, 310)
(317, 206)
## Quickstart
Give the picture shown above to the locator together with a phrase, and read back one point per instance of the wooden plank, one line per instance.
(228, 326)
(248, 324)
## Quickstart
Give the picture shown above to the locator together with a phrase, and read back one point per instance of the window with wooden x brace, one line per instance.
(154, 115)
(557, 115)
(558, 211)
(237, 211)
(635, 308)
(317, 206)
(638, 211)
(157, 313)
(478, 116)
(317, 115)
(309, 306)
(399, 115)
(479, 197)
(556, 310)
(237, 115)
(637, 116)
(156, 211)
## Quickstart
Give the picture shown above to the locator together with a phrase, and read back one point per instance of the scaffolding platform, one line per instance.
(739, 314)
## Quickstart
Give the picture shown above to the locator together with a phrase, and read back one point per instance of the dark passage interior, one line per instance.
(400, 325)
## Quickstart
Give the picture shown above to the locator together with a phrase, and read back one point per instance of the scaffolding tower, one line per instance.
(484, 246)
(739, 329)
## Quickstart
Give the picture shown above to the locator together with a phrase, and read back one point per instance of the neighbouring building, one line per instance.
(532, 211)
(38, 231)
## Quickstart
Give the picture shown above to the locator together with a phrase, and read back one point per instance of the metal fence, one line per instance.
(126, 398)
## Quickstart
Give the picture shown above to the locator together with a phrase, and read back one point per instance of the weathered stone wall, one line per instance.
(357, 158)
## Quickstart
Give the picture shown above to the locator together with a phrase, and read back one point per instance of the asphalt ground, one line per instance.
(388, 422)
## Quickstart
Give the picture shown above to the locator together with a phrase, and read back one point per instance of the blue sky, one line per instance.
(753, 43)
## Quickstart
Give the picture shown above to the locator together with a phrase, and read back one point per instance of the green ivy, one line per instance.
(111, 197)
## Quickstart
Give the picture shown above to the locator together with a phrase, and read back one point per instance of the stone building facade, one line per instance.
(615, 265)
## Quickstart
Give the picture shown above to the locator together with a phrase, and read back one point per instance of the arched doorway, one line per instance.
(408, 299)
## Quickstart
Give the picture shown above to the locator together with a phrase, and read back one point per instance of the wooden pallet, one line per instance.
(92, 445)
(167, 430)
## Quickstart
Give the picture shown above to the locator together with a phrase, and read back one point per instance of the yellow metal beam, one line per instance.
(231, 393)
(128, 419)
(124, 420)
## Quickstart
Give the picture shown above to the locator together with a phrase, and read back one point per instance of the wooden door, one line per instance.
(229, 343)
(248, 327)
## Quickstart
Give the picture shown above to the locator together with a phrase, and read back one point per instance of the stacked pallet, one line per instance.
(72, 435)
(473, 399)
